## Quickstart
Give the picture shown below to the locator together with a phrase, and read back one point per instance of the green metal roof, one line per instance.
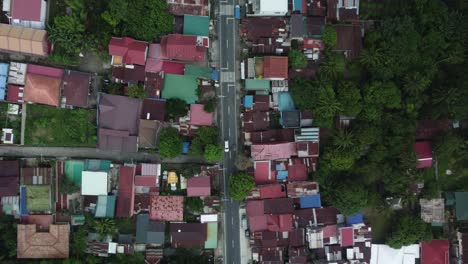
(182, 87)
(198, 71)
(97, 165)
(212, 236)
(461, 210)
(105, 207)
(255, 85)
(73, 170)
(196, 25)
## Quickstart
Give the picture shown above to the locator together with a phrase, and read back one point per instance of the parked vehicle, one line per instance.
(237, 12)
(247, 233)
(244, 222)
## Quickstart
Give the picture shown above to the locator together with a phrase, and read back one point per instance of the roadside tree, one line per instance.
(240, 186)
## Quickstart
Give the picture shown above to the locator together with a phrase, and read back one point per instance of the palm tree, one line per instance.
(371, 57)
(105, 227)
(343, 139)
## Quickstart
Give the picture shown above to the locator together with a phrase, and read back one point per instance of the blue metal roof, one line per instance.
(282, 175)
(3, 79)
(248, 101)
(23, 208)
(311, 201)
(355, 219)
(185, 147)
(297, 5)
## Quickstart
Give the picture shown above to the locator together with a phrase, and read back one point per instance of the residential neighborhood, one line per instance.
(243, 132)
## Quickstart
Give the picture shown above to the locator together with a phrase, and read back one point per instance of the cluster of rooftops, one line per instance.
(285, 216)
(32, 194)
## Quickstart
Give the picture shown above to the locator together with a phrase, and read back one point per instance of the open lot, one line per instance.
(49, 126)
(38, 197)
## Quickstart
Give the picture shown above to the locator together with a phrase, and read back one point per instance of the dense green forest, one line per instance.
(413, 66)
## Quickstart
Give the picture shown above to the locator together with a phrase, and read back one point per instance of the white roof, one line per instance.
(383, 254)
(112, 249)
(274, 6)
(206, 218)
(94, 183)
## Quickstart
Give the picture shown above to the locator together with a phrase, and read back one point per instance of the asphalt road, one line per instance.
(228, 114)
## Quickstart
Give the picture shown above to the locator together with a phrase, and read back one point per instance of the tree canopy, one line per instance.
(137, 91)
(297, 59)
(409, 229)
(141, 19)
(213, 153)
(349, 197)
(176, 108)
(170, 143)
(240, 185)
(329, 36)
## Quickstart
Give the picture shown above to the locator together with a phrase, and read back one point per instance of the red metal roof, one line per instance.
(126, 192)
(75, 88)
(181, 47)
(255, 208)
(273, 151)
(297, 172)
(132, 51)
(153, 109)
(314, 44)
(278, 206)
(285, 223)
(198, 116)
(329, 231)
(272, 191)
(199, 186)
(13, 93)
(9, 177)
(45, 71)
(172, 67)
(26, 9)
(263, 172)
(275, 67)
(347, 236)
(147, 181)
(424, 153)
(435, 252)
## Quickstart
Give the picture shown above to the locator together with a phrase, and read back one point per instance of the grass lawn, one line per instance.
(38, 197)
(380, 221)
(50, 126)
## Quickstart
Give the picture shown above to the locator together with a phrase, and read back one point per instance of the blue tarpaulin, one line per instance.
(215, 75)
(285, 102)
(297, 5)
(248, 101)
(185, 147)
(282, 175)
(311, 201)
(355, 219)
(23, 209)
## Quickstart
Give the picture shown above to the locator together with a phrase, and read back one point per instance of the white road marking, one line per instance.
(227, 44)
(229, 110)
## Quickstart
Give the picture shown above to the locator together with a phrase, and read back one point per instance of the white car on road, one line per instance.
(226, 146)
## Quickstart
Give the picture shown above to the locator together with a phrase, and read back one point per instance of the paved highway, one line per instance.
(228, 114)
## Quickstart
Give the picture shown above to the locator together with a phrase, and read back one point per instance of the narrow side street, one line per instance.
(92, 153)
